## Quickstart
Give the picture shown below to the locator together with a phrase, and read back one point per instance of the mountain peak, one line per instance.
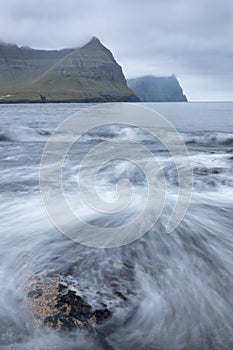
(94, 43)
(95, 40)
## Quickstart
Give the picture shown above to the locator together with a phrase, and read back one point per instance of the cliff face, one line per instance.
(92, 61)
(88, 74)
(157, 89)
(22, 64)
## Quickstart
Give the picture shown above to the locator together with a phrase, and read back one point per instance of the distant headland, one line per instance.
(157, 89)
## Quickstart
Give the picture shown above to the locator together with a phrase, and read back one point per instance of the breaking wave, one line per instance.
(210, 139)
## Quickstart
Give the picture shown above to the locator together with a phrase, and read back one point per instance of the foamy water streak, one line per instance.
(130, 115)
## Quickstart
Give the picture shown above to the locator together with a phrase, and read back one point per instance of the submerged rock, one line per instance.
(57, 305)
(68, 298)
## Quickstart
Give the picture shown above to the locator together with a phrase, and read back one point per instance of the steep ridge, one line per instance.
(88, 74)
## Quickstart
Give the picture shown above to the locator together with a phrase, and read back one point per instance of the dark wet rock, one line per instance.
(216, 171)
(207, 171)
(73, 300)
(54, 304)
(35, 293)
(43, 98)
(120, 295)
(101, 315)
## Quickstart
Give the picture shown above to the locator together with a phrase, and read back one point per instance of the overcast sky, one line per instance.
(192, 39)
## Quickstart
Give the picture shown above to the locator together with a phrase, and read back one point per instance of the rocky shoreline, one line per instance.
(104, 99)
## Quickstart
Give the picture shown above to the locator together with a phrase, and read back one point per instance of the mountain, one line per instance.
(157, 89)
(87, 74)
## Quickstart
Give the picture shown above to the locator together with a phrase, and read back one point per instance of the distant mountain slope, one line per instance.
(88, 74)
(22, 64)
(157, 89)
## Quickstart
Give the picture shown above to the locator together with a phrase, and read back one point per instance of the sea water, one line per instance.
(177, 287)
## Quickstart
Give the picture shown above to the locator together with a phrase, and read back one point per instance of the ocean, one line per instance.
(164, 291)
